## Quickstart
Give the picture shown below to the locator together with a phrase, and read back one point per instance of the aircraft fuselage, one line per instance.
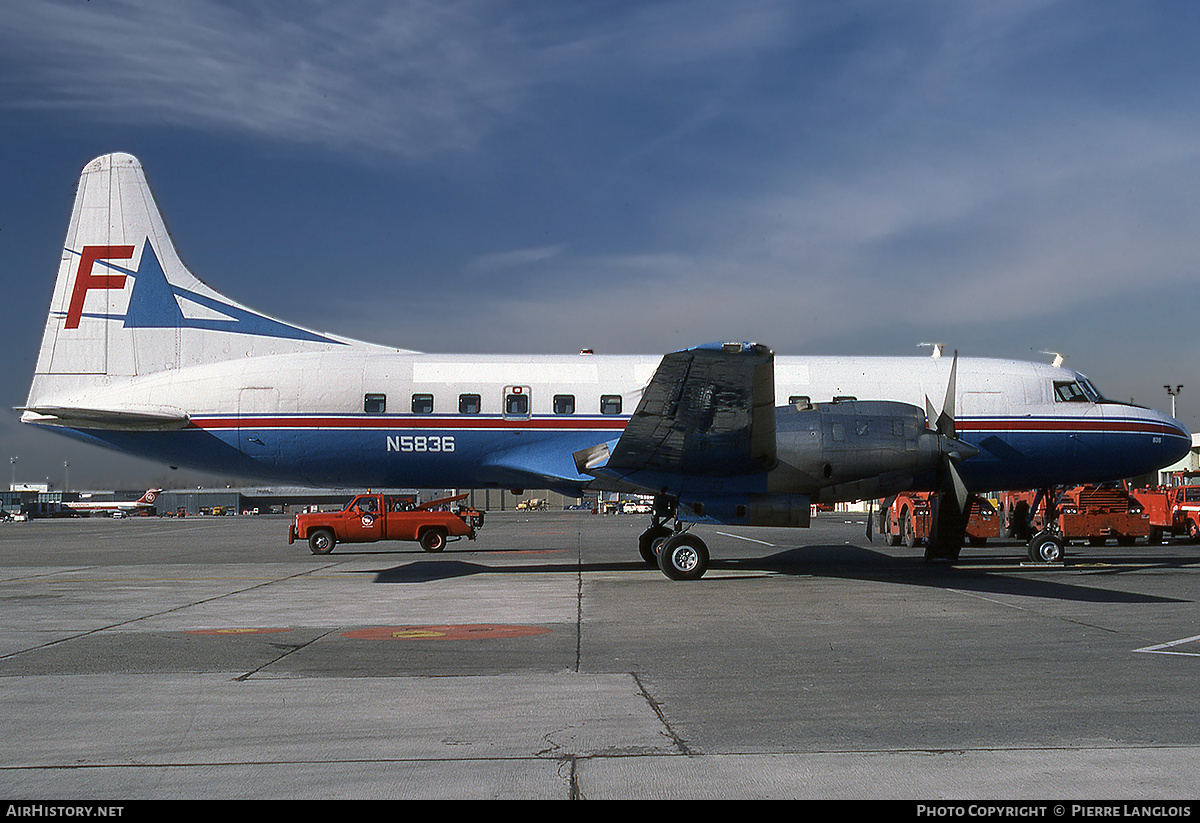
(381, 419)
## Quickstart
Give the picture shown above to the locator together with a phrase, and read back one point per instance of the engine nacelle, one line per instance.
(852, 450)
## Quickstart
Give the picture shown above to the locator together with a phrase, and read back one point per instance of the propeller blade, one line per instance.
(960, 489)
(870, 518)
(945, 422)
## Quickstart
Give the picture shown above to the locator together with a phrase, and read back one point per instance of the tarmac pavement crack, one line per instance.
(678, 742)
(288, 649)
(120, 623)
(579, 598)
(1027, 610)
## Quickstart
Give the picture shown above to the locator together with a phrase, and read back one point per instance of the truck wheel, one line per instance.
(910, 531)
(321, 541)
(433, 540)
(892, 532)
(1193, 531)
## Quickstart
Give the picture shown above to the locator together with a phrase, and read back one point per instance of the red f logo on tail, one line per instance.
(85, 280)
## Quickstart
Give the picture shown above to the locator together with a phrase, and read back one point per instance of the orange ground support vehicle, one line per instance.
(1093, 512)
(372, 517)
(910, 518)
(1173, 510)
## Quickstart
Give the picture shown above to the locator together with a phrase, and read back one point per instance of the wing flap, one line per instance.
(708, 411)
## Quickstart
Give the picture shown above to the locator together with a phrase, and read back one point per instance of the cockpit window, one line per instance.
(1069, 391)
(1090, 389)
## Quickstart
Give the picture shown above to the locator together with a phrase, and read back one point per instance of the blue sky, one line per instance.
(633, 177)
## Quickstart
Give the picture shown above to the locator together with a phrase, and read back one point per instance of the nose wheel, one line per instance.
(1046, 547)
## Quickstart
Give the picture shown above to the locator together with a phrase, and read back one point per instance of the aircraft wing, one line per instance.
(708, 412)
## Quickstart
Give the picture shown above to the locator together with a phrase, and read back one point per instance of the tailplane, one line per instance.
(125, 305)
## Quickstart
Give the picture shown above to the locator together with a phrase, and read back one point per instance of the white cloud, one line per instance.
(413, 79)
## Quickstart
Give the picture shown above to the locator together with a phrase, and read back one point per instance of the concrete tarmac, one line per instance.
(206, 658)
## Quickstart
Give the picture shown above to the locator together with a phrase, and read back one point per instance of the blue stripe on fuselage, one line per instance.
(407, 451)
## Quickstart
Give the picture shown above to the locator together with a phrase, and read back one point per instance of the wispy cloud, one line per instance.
(517, 258)
(414, 78)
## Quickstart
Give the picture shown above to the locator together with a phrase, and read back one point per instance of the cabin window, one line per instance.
(802, 402)
(844, 398)
(610, 404)
(564, 404)
(469, 404)
(375, 403)
(422, 404)
(1068, 391)
(516, 405)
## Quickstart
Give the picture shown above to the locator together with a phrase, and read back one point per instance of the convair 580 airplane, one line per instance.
(140, 356)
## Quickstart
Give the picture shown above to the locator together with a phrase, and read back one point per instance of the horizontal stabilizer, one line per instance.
(157, 419)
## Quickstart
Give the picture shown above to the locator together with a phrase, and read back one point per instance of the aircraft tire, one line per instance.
(321, 541)
(1046, 547)
(683, 557)
(433, 540)
(650, 542)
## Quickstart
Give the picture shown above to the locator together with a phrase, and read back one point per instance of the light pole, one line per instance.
(1173, 393)
(66, 476)
(13, 484)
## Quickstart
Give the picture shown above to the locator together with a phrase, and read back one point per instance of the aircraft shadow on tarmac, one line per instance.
(839, 562)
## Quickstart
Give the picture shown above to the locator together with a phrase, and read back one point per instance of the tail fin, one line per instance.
(125, 305)
(150, 496)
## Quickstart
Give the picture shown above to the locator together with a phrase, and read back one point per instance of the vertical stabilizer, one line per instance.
(125, 305)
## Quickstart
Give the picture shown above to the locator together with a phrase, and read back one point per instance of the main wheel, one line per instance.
(321, 541)
(1046, 547)
(650, 542)
(683, 557)
(433, 540)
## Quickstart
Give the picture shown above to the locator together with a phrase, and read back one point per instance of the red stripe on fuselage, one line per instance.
(1053, 425)
(405, 422)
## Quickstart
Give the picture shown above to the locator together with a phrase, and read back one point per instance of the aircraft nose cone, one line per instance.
(1177, 440)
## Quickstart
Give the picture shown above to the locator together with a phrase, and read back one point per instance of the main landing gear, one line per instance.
(678, 554)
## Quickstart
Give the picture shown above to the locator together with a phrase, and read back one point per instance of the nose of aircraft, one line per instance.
(1170, 440)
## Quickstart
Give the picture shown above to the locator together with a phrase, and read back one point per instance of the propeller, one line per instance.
(951, 449)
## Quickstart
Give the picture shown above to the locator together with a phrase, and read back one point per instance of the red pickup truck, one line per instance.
(371, 517)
